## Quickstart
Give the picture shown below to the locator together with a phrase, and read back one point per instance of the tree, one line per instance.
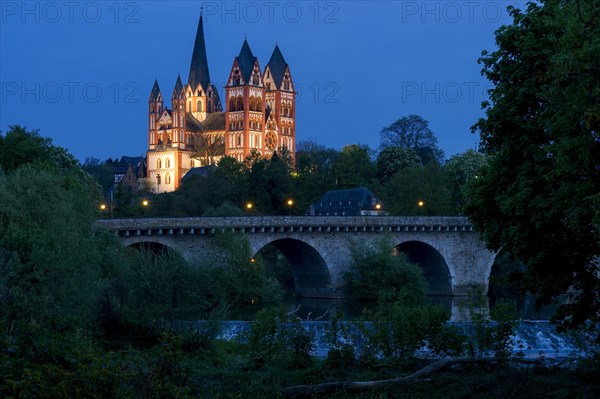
(207, 147)
(103, 171)
(538, 198)
(353, 167)
(460, 170)
(20, 146)
(421, 190)
(269, 185)
(313, 175)
(413, 132)
(376, 275)
(391, 160)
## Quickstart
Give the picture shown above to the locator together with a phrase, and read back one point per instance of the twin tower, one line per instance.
(260, 116)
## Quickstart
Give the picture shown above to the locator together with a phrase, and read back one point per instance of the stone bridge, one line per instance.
(453, 258)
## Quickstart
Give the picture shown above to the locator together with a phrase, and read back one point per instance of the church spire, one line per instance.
(277, 66)
(199, 66)
(178, 87)
(155, 91)
(246, 60)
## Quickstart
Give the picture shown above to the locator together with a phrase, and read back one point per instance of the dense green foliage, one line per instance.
(379, 276)
(82, 316)
(538, 197)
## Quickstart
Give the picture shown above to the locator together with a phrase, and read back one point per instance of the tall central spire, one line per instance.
(199, 66)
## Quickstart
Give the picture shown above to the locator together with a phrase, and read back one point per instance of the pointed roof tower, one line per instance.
(277, 66)
(246, 61)
(155, 91)
(199, 66)
(178, 87)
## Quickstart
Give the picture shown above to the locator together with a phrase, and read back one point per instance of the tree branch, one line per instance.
(306, 391)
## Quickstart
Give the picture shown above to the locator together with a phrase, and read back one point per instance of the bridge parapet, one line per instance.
(285, 224)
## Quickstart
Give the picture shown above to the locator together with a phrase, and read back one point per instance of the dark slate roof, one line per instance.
(132, 160)
(178, 87)
(199, 65)
(192, 123)
(246, 61)
(202, 171)
(125, 162)
(345, 202)
(155, 91)
(277, 66)
(214, 121)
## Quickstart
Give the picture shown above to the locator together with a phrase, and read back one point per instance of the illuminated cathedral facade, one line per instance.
(259, 116)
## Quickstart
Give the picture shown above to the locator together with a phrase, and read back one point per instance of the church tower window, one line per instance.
(189, 106)
(199, 106)
(167, 163)
(168, 179)
(158, 164)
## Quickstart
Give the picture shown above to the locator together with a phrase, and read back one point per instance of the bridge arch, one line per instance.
(157, 245)
(310, 272)
(435, 269)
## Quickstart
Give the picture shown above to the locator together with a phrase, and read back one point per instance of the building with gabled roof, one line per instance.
(353, 202)
(259, 115)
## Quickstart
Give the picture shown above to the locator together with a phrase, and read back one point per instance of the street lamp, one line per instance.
(145, 203)
(421, 203)
(249, 206)
(102, 207)
(290, 202)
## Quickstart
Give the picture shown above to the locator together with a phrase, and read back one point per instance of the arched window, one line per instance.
(168, 179)
(232, 104)
(258, 104)
(236, 77)
(168, 163)
(158, 164)
(189, 106)
(199, 106)
(240, 103)
(252, 104)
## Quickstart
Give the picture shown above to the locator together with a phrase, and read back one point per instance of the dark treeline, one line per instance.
(408, 168)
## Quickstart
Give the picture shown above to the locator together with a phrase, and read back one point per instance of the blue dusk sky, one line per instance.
(82, 71)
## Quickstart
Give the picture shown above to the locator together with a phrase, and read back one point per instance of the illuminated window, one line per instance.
(168, 179)
(199, 106)
(158, 164)
(168, 163)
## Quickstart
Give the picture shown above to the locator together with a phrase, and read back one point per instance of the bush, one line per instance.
(376, 275)
(400, 330)
(278, 340)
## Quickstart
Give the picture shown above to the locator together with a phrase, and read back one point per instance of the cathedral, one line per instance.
(259, 116)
